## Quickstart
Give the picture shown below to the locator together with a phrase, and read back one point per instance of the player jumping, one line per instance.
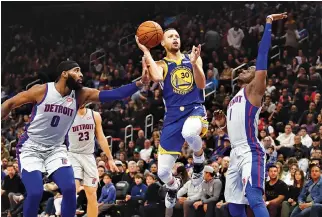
(40, 148)
(246, 172)
(182, 79)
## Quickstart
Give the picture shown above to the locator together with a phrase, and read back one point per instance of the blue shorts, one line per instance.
(171, 140)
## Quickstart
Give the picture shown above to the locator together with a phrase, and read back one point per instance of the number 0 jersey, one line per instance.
(82, 133)
(242, 122)
(179, 88)
(52, 117)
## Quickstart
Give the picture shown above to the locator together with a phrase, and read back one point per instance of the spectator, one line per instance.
(275, 192)
(211, 188)
(12, 185)
(235, 36)
(293, 193)
(145, 153)
(108, 196)
(140, 140)
(286, 140)
(152, 200)
(193, 194)
(310, 198)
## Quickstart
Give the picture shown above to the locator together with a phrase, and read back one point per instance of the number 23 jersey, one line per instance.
(52, 117)
(81, 136)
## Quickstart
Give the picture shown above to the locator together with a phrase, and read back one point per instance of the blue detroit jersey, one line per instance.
(179, 87)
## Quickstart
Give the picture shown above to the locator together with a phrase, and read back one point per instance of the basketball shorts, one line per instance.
(171, 139)
(34, 156)
(85, 169)
(245, 166)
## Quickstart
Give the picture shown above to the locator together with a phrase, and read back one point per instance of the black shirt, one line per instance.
(293, 192)
(152, 194)
(272, 191)
(13, 185)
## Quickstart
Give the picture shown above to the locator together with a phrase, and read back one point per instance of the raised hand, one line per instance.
(274, 17)
(195, 53)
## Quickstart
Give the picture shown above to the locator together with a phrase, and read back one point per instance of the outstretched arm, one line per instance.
(93, 95)
(257, 87)
(33, 95)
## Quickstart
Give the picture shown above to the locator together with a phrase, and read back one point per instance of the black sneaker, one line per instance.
(197, 175)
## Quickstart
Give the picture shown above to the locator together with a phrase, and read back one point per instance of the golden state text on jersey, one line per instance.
(178, 85)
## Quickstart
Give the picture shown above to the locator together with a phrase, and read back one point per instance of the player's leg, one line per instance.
(64, 178)
(34, 188)
(191, 131)
(254, 174)
(165, 165)
(90, 183)
(234, 193)
(61, 172)
(31, 165)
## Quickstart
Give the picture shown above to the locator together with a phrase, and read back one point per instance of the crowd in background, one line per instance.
(290, 125)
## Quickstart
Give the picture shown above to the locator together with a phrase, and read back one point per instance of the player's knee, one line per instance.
(192, 127)
(91, 194)
(254, 196)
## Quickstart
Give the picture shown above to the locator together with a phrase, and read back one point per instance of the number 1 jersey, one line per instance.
(52, 117)
(81, 134)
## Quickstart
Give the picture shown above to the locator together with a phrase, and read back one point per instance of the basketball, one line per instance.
(149, 34)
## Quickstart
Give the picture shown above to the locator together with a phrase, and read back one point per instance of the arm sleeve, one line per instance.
(182, 191)
(118, 93)
(265, 44)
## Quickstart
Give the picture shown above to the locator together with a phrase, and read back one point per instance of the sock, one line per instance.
(34, 187)
(199, 159)
(64, 178)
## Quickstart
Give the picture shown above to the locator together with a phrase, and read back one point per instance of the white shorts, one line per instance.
(245, 166)
(33, 156)
(85, 169)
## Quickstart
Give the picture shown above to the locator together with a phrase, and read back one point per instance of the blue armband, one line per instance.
(265, 44)
(118, 93)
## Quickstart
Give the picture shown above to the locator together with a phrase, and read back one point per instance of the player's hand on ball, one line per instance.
(195, 54)
(141, 46)
(112, 165)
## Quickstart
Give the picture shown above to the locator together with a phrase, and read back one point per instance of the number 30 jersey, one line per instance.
(52, 117)
(242, 122)
(178, 86)
(82, 133)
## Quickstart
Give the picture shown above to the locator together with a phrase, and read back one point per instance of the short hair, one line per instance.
(151, 175)
(108, 175)
(138, 176)
(272, 166)
(101, 167)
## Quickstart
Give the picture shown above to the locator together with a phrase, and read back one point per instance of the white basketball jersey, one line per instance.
(242, 121)
(52, 117)
(81, 134)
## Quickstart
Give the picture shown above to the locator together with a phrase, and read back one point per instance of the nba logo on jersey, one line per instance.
(94, 181)
(64, 161)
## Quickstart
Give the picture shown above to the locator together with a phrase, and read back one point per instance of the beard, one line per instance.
(73, 84)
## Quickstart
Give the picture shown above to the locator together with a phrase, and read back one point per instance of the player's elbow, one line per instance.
(201, 84)
(157, 77)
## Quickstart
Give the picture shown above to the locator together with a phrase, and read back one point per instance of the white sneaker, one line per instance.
(197, 174)
(171, 196)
